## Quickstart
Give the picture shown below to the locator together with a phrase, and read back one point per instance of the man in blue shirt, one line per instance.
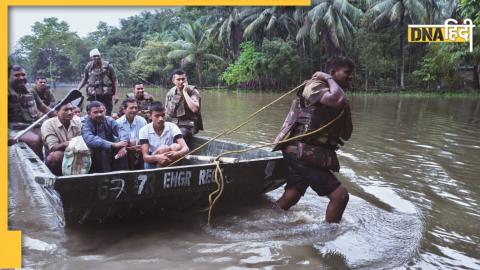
(106, 140)
(131, 124)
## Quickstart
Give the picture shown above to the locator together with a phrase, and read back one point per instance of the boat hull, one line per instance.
(103, 197)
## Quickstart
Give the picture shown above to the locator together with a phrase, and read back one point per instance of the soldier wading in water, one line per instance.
(311, 160)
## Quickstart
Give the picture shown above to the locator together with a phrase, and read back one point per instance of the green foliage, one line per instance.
(152, 64)
(440, 64)
(334, 21)
(280, 60)
(191, 48)
(471, 10)
(246, 67)
(50, 50)
(285, 44)
(276, 64)
(121, 56)
(377, 52)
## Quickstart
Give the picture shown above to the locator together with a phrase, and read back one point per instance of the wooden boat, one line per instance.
(102, 197)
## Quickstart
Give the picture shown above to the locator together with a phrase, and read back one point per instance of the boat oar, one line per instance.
(73, 96)
(211, 159)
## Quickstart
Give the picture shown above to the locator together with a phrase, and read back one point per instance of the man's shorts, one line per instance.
(301, 176)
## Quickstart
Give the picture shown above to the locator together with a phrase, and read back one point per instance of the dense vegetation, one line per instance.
(266, 47)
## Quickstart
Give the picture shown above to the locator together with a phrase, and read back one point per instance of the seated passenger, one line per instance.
(144, 100)
(77, 113)
(57, 133)
(105, 139)
(24, 109)
(41, 88)
(183, 106)
(166, 148)
(131, 124)
(158, 134)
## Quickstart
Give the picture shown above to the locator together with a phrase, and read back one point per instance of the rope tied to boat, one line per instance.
(235, 128)
(219, 179)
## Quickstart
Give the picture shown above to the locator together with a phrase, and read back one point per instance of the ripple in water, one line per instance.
(367, 236)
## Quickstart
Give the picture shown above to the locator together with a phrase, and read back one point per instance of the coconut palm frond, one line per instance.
(329, 17)
(271, 23)
(383, 6)
(396, 12)
(177, 54)
(304, 30)
(213, 57)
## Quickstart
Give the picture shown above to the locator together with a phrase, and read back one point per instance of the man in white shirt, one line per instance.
(132, 123)
(158, 134)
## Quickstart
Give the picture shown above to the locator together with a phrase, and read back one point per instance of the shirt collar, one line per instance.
(59, 124)
(152, 130)
(124, 119)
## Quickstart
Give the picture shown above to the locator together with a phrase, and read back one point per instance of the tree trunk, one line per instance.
(197, 73)
(402, 55)
(236, 40)
(476, 81)
(366, 78)
(311, 58)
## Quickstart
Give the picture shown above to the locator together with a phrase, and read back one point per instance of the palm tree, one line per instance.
(278, 21)
(399, 12)
(334, 20)
(191, 48)
(152, 63)
(226, 26)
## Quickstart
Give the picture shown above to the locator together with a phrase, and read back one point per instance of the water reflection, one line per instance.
(411, 166)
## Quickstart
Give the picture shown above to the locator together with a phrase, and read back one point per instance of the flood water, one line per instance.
(412, 168)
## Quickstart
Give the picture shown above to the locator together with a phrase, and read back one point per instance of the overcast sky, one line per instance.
(82, 20)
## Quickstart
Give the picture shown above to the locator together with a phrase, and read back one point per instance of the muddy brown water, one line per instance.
(412, 167)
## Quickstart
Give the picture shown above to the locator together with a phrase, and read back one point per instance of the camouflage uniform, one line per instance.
(310, 160)
(22, 107)
(143, 104)
(46, 96)
(178, 112)
(101, 83)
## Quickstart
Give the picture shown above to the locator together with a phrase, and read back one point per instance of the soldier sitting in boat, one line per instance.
(57, 133)
(23, 110)
(131, 124)
(143, 101)
(158, 134)
(77, 113)
(41, 88)
(183, 106)
(105, 139)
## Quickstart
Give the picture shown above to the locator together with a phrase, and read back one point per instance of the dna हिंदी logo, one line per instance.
(451, 31)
